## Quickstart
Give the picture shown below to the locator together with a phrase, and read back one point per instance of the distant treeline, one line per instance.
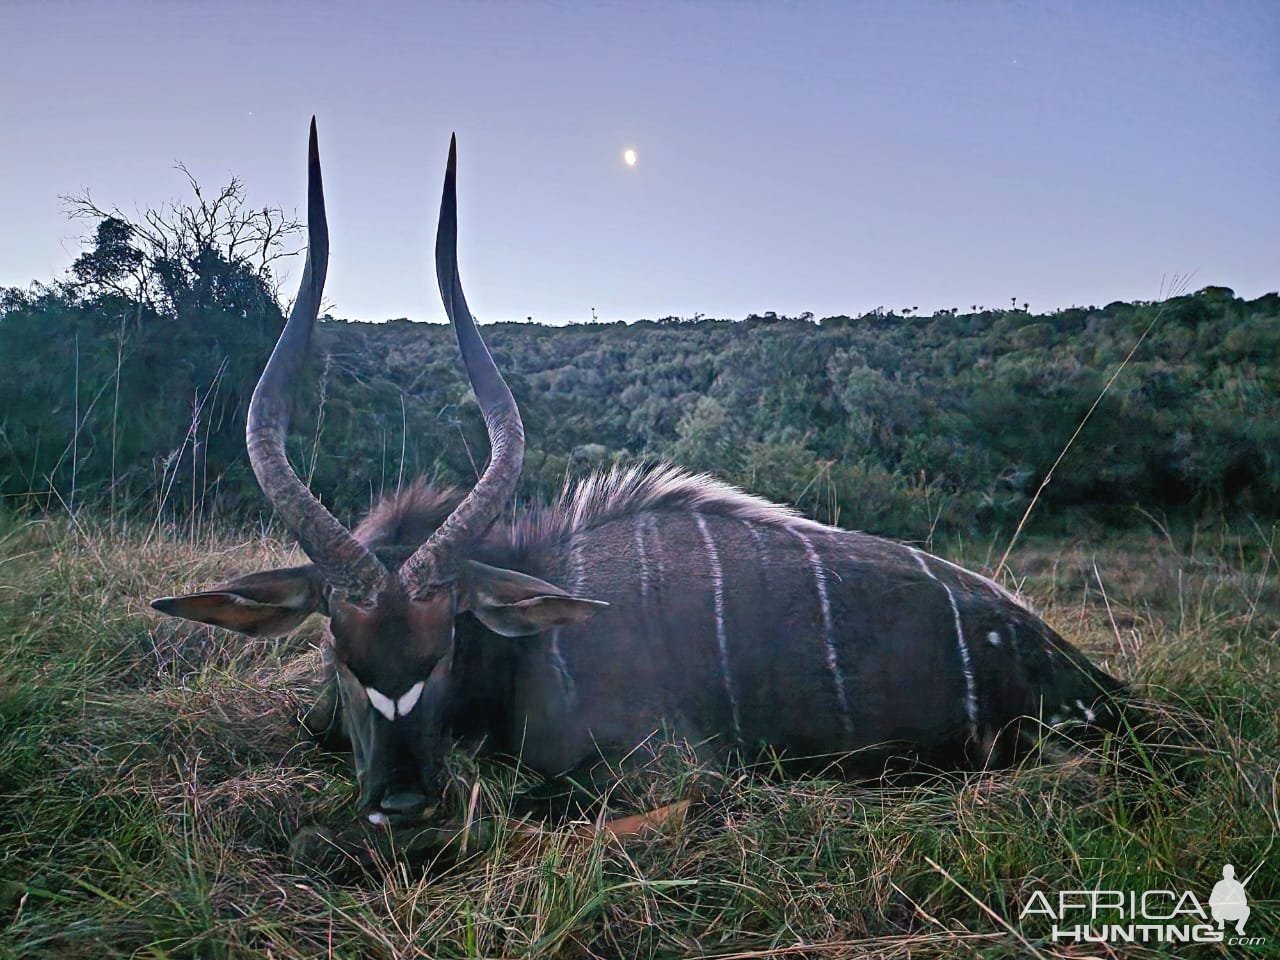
(127, 390)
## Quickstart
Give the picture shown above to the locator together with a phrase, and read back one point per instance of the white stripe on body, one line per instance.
(762, 554)
(987, 582)
(558, 662)
(828, 637)
(722, 641)
(643, 557)
(966, 662)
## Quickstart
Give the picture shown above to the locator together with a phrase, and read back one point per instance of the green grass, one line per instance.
(151, 782)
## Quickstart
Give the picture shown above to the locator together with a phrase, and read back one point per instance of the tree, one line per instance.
(140, 362)
(210, 251)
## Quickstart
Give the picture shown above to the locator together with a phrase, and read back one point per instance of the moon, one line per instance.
(629, 157)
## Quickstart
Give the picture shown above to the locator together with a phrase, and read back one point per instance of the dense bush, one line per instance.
(128, 383)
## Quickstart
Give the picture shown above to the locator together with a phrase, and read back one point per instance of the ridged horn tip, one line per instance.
(501, 415)
(447, 230)
(313, 152)
(316, 221)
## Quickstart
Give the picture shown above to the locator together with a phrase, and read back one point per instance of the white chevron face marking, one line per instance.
(409, 700)
(993, 638)
(394, 708)
(383, 704)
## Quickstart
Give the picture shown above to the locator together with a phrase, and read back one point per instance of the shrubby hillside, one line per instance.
(126, 383)
(880, 422)
(156, 801)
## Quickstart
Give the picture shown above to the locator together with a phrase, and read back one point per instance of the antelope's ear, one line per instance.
(267, 604)
(517, 605)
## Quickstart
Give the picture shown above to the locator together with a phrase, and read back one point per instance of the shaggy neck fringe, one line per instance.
(408, 518)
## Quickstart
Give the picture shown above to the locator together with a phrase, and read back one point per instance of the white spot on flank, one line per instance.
(828, 638)
(1089, 715)
(993, 638)
(382, 703)
(377, 819)
(966, 663)
(409, 700)
(722, 641)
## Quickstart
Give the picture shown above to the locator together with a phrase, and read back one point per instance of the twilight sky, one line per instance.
(830, 157)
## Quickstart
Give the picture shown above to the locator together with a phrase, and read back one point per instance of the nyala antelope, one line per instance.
(644, 599)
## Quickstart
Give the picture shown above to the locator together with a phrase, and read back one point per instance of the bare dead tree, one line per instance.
(174, 236)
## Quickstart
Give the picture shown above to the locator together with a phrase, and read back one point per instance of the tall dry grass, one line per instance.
(152, 781)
